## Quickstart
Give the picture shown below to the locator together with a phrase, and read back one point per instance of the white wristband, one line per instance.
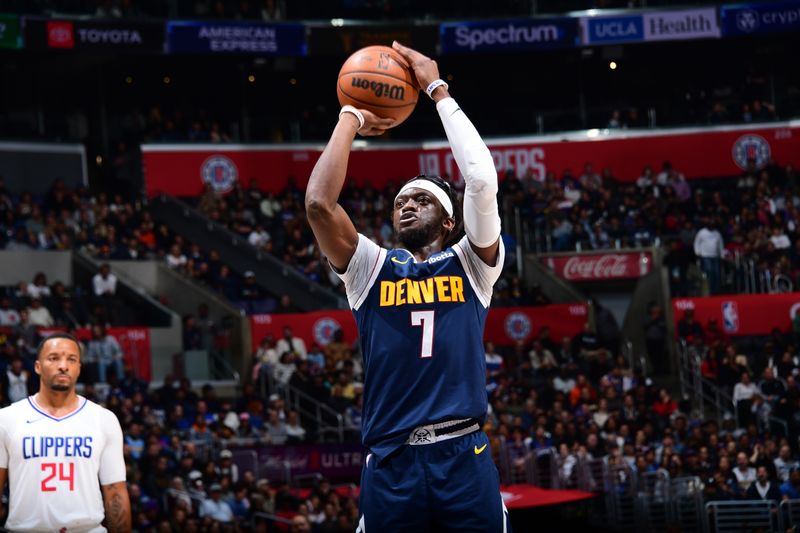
(354, 111)
(435, 84)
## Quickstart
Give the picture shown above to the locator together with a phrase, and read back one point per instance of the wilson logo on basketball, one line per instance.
(380, 89)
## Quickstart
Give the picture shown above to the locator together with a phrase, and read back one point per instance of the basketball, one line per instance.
(378, 79)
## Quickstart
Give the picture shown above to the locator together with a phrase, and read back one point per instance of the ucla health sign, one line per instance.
(529, 34)
(652, 26)
(236, 38)
(746, 19)
(601, 30)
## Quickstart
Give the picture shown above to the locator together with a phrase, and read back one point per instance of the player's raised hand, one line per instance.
(425, 69)
(373, 124)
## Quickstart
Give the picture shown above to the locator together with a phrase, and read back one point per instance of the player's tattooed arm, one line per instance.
(118, 507)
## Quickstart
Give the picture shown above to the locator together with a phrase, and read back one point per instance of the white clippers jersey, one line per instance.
(56, 465)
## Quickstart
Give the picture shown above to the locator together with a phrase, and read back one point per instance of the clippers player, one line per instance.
(61, 453)
(420, 311)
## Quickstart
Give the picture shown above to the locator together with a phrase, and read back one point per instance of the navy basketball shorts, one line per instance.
(450, 485)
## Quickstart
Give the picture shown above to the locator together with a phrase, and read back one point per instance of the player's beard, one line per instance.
(61, 386)
(416, 238)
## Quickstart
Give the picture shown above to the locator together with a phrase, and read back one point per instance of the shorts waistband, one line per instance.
(443, 431)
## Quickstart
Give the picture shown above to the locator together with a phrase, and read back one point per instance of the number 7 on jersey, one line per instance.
(424, 319)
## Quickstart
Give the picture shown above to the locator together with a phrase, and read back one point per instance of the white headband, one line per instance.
(432, 188)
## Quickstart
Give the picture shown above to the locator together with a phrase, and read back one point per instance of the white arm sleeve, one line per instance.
(481, 218)
(112, 462)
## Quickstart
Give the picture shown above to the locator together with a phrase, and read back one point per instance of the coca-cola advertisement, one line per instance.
(600, 267)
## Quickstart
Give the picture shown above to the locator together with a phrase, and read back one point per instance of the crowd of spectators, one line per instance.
(576, 396)
(719, 223)
(581, 404)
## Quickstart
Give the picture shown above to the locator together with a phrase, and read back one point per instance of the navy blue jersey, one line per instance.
(421, 331)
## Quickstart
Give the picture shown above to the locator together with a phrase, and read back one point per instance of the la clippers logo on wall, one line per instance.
(730, 316)
(60, 34)
(518, 326)
(324, 329)
(219, 172)
(749, 147)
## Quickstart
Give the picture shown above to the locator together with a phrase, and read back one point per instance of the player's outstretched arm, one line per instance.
(117, 504)
(481, 218)
(332, 227)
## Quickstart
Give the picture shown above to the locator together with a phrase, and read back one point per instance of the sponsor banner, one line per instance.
(504, 326)
(344, 40)
(338, 462)
(113, 35)
(184, 37)
(135, 344)
(10, 35)
(756, 314)
(316, 327)
(605, 30)
(679, 25)
(747, 19)
(181, 170)
(599, 267)
(518, 34)
(651, 26)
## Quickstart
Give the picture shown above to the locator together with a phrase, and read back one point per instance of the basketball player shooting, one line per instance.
(420, 311)
(60, 450)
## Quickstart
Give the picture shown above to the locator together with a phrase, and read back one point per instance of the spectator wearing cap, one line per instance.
(227, 467)
(251, 295)
(214, 507)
